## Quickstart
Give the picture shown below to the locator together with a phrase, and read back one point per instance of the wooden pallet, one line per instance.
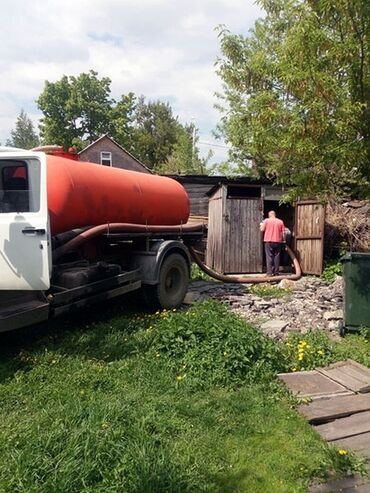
(339, 409)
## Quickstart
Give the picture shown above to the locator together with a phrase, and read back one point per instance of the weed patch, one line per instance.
(268, 291)
(210, 346)
(332, 269)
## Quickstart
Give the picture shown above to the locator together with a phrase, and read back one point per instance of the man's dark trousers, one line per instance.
(272, 250)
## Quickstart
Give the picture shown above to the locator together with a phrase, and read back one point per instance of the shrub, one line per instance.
(209, 345)
(332, 269)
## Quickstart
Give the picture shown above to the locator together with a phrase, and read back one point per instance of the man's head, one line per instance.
(272, 214)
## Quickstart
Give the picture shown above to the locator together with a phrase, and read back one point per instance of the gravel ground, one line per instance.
(306, 304)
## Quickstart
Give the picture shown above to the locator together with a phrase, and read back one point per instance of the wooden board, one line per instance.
(312, 384)
(309, 236)
(350, 374)
(242, 240)
(345, 427)
(323, 410)
(357, 443)
(215, 249)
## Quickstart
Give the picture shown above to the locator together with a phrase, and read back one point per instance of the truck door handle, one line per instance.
(33, 231)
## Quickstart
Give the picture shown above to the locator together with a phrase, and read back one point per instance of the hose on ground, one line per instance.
(247, 280)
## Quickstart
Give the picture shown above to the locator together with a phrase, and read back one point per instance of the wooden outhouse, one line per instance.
(235, 243)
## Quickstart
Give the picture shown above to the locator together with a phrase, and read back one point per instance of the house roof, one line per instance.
(106, 136)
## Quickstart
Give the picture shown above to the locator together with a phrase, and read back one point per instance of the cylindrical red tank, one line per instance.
(86, 194)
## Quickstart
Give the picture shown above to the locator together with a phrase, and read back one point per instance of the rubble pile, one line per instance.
(306, 304)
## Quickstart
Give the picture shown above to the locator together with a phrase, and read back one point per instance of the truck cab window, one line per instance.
(14, 188)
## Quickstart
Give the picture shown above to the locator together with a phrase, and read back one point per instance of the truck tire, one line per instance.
(172, 286)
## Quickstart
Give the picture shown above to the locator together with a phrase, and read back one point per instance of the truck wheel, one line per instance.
(173, 284)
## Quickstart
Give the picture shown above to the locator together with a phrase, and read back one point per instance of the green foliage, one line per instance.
(156, 131)
(198, 275)
(316, 349)
(122, 121)
(332, 269)
(185, 158)
(268, 291)
(297, 95)
(77, 110)
(210, 346)
(309, 351)
(23, 135)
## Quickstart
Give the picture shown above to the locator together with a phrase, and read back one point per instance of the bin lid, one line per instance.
(355, 255)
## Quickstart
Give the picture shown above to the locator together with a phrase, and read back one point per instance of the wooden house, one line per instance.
(107, 152)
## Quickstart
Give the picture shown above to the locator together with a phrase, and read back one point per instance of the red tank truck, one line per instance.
(75, 233)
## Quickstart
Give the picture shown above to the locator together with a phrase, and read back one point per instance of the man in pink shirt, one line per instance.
(273, 229)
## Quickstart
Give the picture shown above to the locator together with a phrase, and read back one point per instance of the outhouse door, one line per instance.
(242, 236)
(309, 236)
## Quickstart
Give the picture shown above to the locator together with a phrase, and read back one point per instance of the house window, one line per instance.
(106, 158)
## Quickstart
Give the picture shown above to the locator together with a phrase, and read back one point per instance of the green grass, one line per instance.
(265, 290)
(198, 275)
(316, 349)
(172, 402)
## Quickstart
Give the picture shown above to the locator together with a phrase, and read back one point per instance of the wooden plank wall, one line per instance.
(242, 237)
(198, 198)
(309, 236)
(215, 247)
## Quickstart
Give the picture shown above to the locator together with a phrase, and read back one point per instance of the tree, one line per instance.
(185, 158)
(23, 135)
(156, 131)
(122, 122)
(297, 94)
(77, 110)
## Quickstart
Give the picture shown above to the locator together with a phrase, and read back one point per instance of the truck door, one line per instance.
(24, 228)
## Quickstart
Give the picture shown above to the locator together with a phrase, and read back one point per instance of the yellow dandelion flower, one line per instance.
(179, 378)
(321, 352)
(342, 451)
(300, 357)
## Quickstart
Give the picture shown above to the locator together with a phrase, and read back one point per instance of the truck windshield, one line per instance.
(14, 190)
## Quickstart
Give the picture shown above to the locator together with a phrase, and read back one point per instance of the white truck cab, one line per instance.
(25, 247)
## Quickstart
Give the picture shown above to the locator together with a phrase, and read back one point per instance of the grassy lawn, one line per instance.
(169, 402)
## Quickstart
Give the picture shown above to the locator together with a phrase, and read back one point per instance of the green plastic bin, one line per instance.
(356, 275)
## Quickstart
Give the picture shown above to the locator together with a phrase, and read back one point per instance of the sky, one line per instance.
(163, 49)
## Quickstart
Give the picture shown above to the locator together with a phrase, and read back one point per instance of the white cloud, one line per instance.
(163, 49)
